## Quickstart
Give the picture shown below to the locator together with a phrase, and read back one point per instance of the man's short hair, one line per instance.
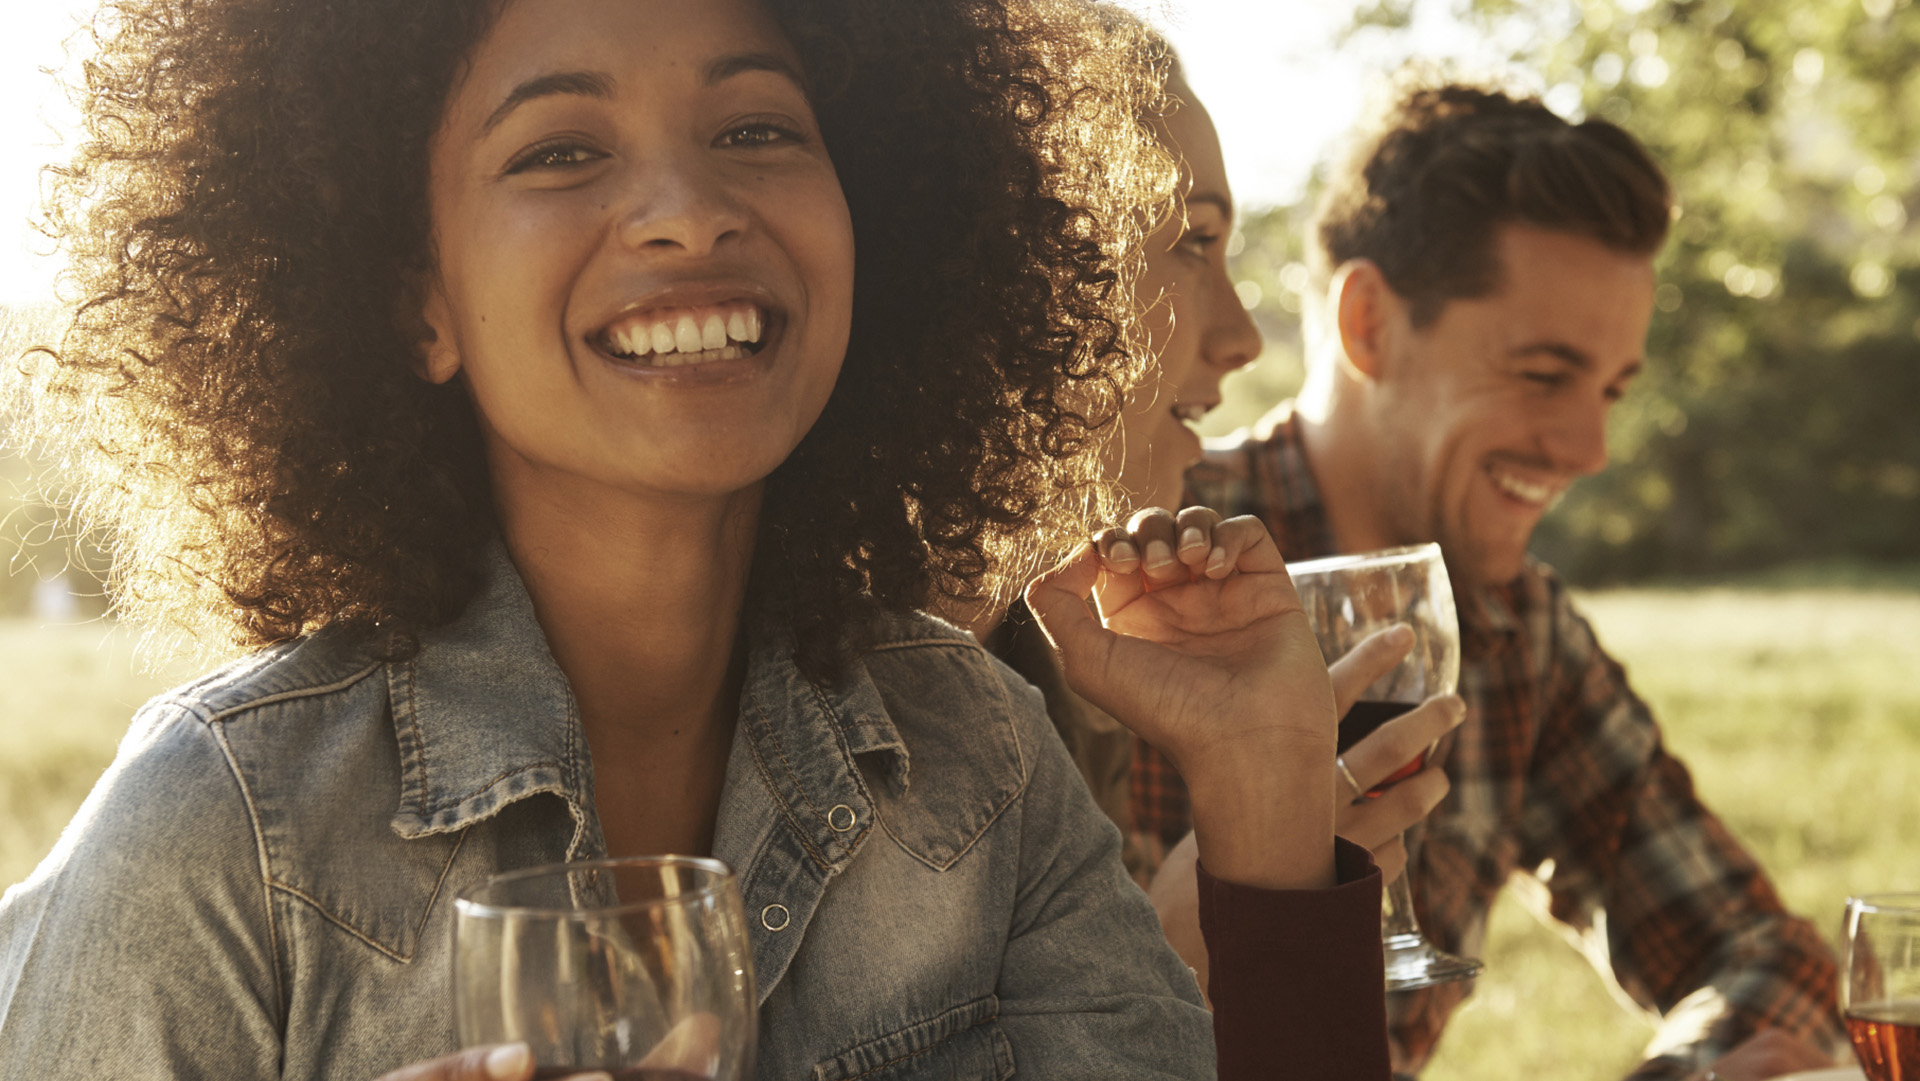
(1432, 180)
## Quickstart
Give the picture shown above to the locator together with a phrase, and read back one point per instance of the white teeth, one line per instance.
(686, 334)
(698, 335)
(1522, 490)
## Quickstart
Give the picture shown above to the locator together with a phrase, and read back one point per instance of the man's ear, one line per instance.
(427, 320)
(1365, 307)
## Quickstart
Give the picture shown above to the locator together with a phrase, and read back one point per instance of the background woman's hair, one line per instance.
(1435, 174)
(236, 397)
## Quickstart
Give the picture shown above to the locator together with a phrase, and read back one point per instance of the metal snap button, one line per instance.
(775, 917)
(842, 818)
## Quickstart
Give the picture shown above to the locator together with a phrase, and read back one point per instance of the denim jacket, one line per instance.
(261, 885)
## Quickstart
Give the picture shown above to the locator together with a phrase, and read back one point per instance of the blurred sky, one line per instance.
(1267, 69)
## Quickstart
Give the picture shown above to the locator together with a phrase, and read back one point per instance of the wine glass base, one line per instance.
(1413, 963)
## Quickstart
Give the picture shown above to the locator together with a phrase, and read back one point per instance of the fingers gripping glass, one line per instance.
(1348, 599)
(1880, 984)
(639, 967)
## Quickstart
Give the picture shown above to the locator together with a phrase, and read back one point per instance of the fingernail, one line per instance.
(1158, 554)
(1400, 635)
(1123, 552)
(1458, 707)
(509, 1062)
(1192, 539)
(1218, 561)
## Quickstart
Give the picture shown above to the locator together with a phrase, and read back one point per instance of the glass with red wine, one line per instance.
(1880, 984)
(1349, 599)
(639, 967)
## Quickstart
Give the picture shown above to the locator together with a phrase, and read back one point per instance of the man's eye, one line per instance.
(554, 156)
(1545, 379)
(759, 133)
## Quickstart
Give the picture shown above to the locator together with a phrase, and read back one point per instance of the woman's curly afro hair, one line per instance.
(237, 391)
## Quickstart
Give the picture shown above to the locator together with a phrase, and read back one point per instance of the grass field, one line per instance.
(1798, 709)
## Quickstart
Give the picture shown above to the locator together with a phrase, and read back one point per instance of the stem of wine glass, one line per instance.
(1399, 918)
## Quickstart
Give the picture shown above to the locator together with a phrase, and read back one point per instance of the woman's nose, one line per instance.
(676, 206)
(1232, 340)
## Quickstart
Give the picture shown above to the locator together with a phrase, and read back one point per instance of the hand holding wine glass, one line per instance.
(1201, 648)
(1349, 600)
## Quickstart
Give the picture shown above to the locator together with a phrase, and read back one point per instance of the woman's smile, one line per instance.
(688, 336)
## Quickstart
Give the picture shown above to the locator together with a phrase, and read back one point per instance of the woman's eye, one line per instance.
(1199, 241)
(554, 156)
(1545, 379)
(759, 133)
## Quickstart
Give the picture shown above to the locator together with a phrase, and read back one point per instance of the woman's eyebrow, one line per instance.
(738, 63)
(590, 84)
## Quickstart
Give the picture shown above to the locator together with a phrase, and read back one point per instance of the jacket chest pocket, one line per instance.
(962, 1044)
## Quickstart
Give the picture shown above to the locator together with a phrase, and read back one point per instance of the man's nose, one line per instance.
(672, 206)
(1577, 441)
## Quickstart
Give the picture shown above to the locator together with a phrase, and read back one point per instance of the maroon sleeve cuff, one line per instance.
(1297, 977)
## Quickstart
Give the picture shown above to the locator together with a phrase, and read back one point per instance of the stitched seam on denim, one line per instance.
(773, 788)
(283, 696)
(781, 750)
(998, 812)
(419, 751)
(929, 643)
(1020, 763)
(420, 932)
(327, 914)
(994, 1016)
(846, 844)
(571, 774)
(484, 788)
(219, 734)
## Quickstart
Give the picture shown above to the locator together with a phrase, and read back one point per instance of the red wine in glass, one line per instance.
(1886, 1040)
(1363, 720)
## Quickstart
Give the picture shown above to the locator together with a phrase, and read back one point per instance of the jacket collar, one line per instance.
(485, 717)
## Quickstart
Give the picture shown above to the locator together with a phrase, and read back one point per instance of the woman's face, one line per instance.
(645, 262)
(1198, 329)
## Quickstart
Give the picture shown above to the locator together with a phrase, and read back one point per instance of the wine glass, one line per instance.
(1880, 984)
(1348, 599)
(639, 967)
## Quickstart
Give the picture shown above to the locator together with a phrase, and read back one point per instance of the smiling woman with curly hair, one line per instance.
(568, 404)
(504, 376)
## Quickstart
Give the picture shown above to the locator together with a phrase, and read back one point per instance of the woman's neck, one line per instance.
(640, 597)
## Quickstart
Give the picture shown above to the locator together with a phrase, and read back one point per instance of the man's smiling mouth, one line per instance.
(677, 337)
(1526, 491)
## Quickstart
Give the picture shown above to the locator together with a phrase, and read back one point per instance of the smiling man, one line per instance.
(1487, 276)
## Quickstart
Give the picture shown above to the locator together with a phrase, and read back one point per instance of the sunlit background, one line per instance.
(1753, 554)
(1278, 93)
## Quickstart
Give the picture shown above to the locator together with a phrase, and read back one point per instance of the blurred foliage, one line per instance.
(1776, 419)
(39, 552)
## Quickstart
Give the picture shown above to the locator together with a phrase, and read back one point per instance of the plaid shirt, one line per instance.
(1559, 771)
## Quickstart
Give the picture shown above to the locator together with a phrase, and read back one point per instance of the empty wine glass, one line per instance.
(639, 967)
(1348, 599)
(1880, 984)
